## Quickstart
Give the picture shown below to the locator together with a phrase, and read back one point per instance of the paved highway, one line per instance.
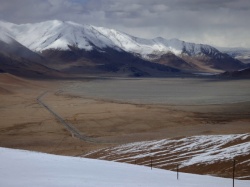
(75, 132)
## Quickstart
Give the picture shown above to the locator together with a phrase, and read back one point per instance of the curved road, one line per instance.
(75, 132)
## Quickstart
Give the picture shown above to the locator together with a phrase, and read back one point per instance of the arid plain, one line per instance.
(39, 115)
(89, 107)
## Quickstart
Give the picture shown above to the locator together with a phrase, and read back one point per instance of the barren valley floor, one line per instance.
(25, 124)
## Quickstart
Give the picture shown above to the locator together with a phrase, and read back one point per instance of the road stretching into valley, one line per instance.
(75, 132)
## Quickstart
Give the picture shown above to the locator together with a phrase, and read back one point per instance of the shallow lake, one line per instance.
(173, 91)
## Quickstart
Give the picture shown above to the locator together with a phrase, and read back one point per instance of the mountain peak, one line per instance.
(63, 35)
(56, 34)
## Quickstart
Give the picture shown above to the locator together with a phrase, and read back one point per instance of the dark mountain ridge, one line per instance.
(84, 49)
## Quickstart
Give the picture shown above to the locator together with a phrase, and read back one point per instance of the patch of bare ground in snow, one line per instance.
(212, 154)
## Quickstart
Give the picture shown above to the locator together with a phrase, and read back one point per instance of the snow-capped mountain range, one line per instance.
(63, 36)
(60, 35)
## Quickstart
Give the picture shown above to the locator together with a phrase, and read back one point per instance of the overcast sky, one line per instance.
(215, 22)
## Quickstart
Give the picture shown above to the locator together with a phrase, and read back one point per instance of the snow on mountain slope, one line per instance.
(242, 54)
(58, 35)
(48, 35)
(26, 169)
(61, 41)
(11, 48)
(214, 152)
(4, 36)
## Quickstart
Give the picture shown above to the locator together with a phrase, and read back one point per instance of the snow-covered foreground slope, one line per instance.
(28, 169)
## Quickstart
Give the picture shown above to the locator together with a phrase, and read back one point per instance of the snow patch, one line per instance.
(59, 35)
(24, 169)
(189, 151)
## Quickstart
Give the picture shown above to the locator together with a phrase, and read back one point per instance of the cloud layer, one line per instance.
(221, 23)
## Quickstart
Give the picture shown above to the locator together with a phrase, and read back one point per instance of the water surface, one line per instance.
(174, 91)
